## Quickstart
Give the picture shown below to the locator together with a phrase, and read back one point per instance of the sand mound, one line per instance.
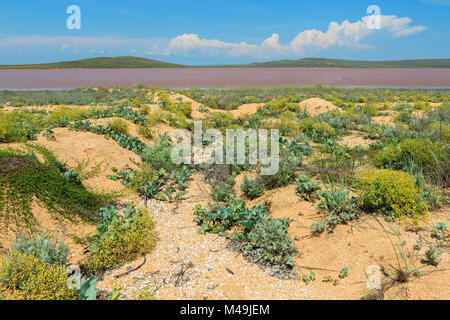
(354, 140)
(196, 107)
(387, 120)
(73, 148)
(243, 110)
(316, 106)
(246, 109)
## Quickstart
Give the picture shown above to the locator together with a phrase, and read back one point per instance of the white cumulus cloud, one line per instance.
(346, 34)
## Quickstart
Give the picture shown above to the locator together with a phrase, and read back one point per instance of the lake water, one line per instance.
(223, 77)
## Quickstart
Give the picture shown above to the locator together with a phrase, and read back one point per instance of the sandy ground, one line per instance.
(354, 140)
(186, 265)
(316, 106)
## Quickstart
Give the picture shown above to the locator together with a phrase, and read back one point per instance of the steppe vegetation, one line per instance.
(372, 162)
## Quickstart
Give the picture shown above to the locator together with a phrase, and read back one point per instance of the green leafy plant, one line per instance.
(252, 188)
(120, 238)
(119, 126)
(305, 186)
(88, 290)
(432, 255)
(222, 192)
(343, 273)
(285, 174)
(271, 235)
(336, 203)
(42, 247)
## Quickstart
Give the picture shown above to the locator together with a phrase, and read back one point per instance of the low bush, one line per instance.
(306, 187)
(34, 279)
(392, 193)
(220, 218)
(222, 192)
(370, 109)
(42, 247)
(159, 155)
(285, 175)
(432, 156)
(336, 203)
(252, 188)
(219, 120)
(186, 108)
(120, 238)
(271, 235)
(119, 126)
(136, 180)
(319, 131)
(23, 178)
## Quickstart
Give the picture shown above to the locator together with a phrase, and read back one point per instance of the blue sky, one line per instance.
(219, 32)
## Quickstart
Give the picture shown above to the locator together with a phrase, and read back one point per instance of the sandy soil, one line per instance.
(387, 120)
(316, 106)
(354, 140)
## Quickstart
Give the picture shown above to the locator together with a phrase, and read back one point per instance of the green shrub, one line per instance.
(140, 178)
(432, 255)
(145, 131)
(186, 108)
(23, 177)
(219, 120)
(220, 218)
(119, 126)
(252, 188)
(306, 187)
(433, 157)
(35, 279)
(271, 235)
(7, 132)
(43, 247)
(336, 203)
(393, 193)
(178, 120)
(222, 192)
(120, 238)
(370, 109)
(285, 175)
(318, 130)
(159, 155)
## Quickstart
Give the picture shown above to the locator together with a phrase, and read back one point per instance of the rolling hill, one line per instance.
(99, 63)
(336, 63)
(136, 62)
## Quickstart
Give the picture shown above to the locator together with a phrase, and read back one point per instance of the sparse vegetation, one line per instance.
(120, 237)
(349, 164)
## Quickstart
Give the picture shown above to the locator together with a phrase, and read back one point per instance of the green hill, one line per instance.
(136, 62)
(99, 63)
(336, 63)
